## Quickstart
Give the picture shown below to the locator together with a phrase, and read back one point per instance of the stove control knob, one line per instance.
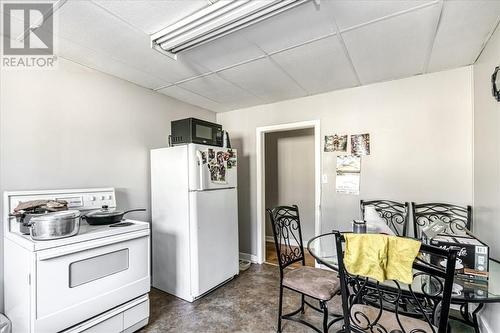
(110, 197)
(92, 198)
(102, 197)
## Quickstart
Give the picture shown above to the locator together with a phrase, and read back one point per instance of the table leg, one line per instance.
(470, 318)
(474, 317)
(464, 312)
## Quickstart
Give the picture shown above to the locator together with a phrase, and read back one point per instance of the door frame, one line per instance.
(261, 178)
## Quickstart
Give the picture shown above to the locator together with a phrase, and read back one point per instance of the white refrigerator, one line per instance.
(194, 218)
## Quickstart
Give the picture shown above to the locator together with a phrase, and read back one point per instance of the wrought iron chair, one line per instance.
(321, 285)
(420, 307)
(394, 213)
(458, 218)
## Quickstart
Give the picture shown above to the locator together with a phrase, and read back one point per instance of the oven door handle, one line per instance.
(69, 249)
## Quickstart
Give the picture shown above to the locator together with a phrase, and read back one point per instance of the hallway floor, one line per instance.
(272, 257)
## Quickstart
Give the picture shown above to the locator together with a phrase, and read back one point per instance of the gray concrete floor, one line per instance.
(248, 303)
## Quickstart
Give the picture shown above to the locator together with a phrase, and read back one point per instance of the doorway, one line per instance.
(288, 172)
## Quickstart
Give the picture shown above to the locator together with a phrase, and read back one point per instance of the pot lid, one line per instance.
(64, 214)
(105, 211)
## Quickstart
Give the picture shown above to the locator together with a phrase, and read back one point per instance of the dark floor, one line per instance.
(247, 304)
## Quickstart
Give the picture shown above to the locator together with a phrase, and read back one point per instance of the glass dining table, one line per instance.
(471, 297)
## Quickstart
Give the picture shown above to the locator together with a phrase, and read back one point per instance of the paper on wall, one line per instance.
(348, 183)
(348, 174)
(348, 163)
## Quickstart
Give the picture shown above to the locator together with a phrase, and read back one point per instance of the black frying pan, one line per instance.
(107, 216)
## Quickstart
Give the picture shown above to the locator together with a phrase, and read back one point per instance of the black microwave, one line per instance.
(192, 130)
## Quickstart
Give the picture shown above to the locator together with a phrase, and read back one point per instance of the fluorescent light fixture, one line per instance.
(219, 19)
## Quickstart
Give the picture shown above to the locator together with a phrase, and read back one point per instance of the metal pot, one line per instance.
(107, 216)
(55, 225)
(24, 221)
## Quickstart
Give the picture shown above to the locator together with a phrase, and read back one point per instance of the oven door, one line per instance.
(79, 281)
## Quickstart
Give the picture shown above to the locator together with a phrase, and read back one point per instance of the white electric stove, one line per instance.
(95, 281)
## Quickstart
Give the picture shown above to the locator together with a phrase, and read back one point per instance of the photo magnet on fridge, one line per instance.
(211, 155)
(217, 167)
(231, 162)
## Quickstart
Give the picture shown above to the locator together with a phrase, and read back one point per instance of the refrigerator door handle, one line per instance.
(201, 185)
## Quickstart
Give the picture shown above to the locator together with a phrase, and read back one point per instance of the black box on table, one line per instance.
(472, 257)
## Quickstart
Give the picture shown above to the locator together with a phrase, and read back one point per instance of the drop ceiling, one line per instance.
(307, 50)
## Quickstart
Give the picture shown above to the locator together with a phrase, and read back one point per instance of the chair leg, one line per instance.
(324, 306)
(280, 309)
(302, 307)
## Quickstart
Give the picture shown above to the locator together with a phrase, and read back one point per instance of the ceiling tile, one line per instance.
(244, 104)
(264, 79)
(224, 52)
(319, 66)
(192, 98)
(151, 16)
(293, 27)
(351, 13)
(90, 26)
(463, 29)
(107, 65)
(217, 89)
(393, 48)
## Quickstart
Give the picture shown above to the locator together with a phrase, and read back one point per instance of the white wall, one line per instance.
(421, 143)
(75, 128)
(487, 163)
(290, 175)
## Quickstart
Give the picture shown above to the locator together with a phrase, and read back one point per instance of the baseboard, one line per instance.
(250, 257)
(270, 239)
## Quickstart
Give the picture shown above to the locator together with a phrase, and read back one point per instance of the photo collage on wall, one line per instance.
(360, 144)
(335, 143)
(348, 167)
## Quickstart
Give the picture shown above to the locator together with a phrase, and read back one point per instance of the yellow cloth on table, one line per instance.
(380, 257)
(400, 257)
(366, 255)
